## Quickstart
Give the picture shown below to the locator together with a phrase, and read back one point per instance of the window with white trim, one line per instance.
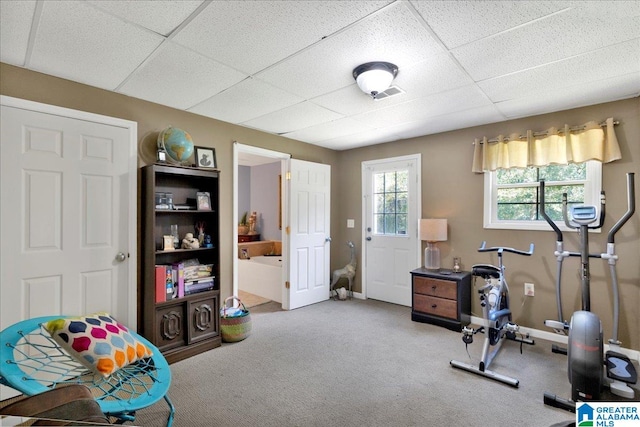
(512, 196)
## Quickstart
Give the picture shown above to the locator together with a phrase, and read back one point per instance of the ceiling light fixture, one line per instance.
(375, 77)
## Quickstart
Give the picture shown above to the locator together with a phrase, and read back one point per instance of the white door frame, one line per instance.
(275, 155)
(418, 198)
(132, 225)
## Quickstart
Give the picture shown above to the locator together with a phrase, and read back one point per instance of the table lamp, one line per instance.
(432, 231)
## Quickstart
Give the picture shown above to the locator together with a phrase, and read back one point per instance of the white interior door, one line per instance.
(309, 232)
(68, 224)
(391, 204)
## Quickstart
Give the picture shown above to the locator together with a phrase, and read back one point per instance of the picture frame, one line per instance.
(203, 200)
(205, 157)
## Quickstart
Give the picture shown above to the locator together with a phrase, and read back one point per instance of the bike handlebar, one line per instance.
(501, 249)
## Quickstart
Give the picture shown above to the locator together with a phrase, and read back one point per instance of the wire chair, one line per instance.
(32, 362)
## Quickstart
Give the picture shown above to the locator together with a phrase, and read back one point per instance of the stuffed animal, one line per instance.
(190, 242)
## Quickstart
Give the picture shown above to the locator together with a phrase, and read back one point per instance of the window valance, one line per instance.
(591, 141)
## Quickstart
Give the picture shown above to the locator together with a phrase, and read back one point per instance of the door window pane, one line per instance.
(390, 202)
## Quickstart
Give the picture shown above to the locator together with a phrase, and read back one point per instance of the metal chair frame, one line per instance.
(31, 362)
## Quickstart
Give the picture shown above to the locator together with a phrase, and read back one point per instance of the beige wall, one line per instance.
(449, 189)
(152, 118)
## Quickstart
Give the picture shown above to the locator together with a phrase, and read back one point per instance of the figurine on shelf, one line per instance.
(200, 229)
(190, 242)
(253, 219)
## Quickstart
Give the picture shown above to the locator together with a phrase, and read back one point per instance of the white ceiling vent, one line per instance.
(392, 91)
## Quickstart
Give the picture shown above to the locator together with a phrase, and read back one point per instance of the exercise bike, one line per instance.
(586, 357)
(494, 300)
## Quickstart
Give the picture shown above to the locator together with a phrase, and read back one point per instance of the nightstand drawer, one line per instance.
(437, 306)
(435, 287)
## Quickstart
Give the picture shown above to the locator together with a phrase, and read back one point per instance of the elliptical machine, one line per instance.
(585, 343)
(494, 299)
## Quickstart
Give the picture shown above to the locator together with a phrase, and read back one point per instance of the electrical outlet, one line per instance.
(529, 290)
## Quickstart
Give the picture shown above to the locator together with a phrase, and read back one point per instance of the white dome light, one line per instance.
(375, 77)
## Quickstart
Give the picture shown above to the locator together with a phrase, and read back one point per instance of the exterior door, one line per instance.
(391, 203)
(309, 227)
(68, 224)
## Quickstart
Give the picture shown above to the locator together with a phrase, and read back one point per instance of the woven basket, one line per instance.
(237, 328)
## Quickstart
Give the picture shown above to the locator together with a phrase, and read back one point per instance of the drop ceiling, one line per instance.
(284, 67)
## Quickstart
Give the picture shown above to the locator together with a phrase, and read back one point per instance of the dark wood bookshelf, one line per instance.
(180, 327)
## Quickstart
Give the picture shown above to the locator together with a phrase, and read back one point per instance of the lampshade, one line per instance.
(433, 230)
(375, 77)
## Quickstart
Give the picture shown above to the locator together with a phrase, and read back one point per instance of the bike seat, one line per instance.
(485, 271)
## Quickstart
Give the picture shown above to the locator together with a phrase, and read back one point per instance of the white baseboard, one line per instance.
(560, 339)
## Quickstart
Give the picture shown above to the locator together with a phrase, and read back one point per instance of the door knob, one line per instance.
(328, 239)
(369, 238)
(120, 257)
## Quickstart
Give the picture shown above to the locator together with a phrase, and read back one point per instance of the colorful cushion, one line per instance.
(98, 341)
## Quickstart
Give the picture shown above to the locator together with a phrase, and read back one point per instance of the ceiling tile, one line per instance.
(572, 96)
(146, 13)
(459, 99)
(459, 22)
(15, 25)
(448, 122)
(611, 61)
(329, 130)
(392, 35)
(571, 32)
(226, 30)
(293, 118)
(246, 100)
(351, 100)
(184, 80)
(78, 42)
(361, 139)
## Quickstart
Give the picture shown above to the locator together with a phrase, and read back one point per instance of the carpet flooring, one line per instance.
(358, 363)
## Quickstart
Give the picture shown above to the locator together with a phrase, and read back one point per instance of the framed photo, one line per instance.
(204, 201)
(205, 157)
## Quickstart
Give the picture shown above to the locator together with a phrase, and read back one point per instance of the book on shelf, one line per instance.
(178, 278)
(161, 283)
(199, 285)
(167, 283)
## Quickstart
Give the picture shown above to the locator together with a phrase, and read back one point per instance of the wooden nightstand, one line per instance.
(441, 299)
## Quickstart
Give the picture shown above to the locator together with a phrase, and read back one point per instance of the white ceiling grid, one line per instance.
(284, 67)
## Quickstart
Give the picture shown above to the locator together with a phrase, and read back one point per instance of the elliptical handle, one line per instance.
(545, 216)
(631, 207)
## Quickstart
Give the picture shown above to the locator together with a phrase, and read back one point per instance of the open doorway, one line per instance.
(260, 258)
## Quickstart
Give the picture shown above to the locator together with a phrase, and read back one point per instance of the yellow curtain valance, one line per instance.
(591, 141)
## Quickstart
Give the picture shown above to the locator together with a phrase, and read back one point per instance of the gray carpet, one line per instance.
(358, 363)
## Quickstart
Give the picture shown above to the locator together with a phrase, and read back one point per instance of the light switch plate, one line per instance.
(351, 223)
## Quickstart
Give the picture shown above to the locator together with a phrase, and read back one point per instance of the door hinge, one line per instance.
(287, 230)
(286, 284)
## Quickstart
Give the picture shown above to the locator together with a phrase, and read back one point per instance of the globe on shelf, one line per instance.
(177, 143)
